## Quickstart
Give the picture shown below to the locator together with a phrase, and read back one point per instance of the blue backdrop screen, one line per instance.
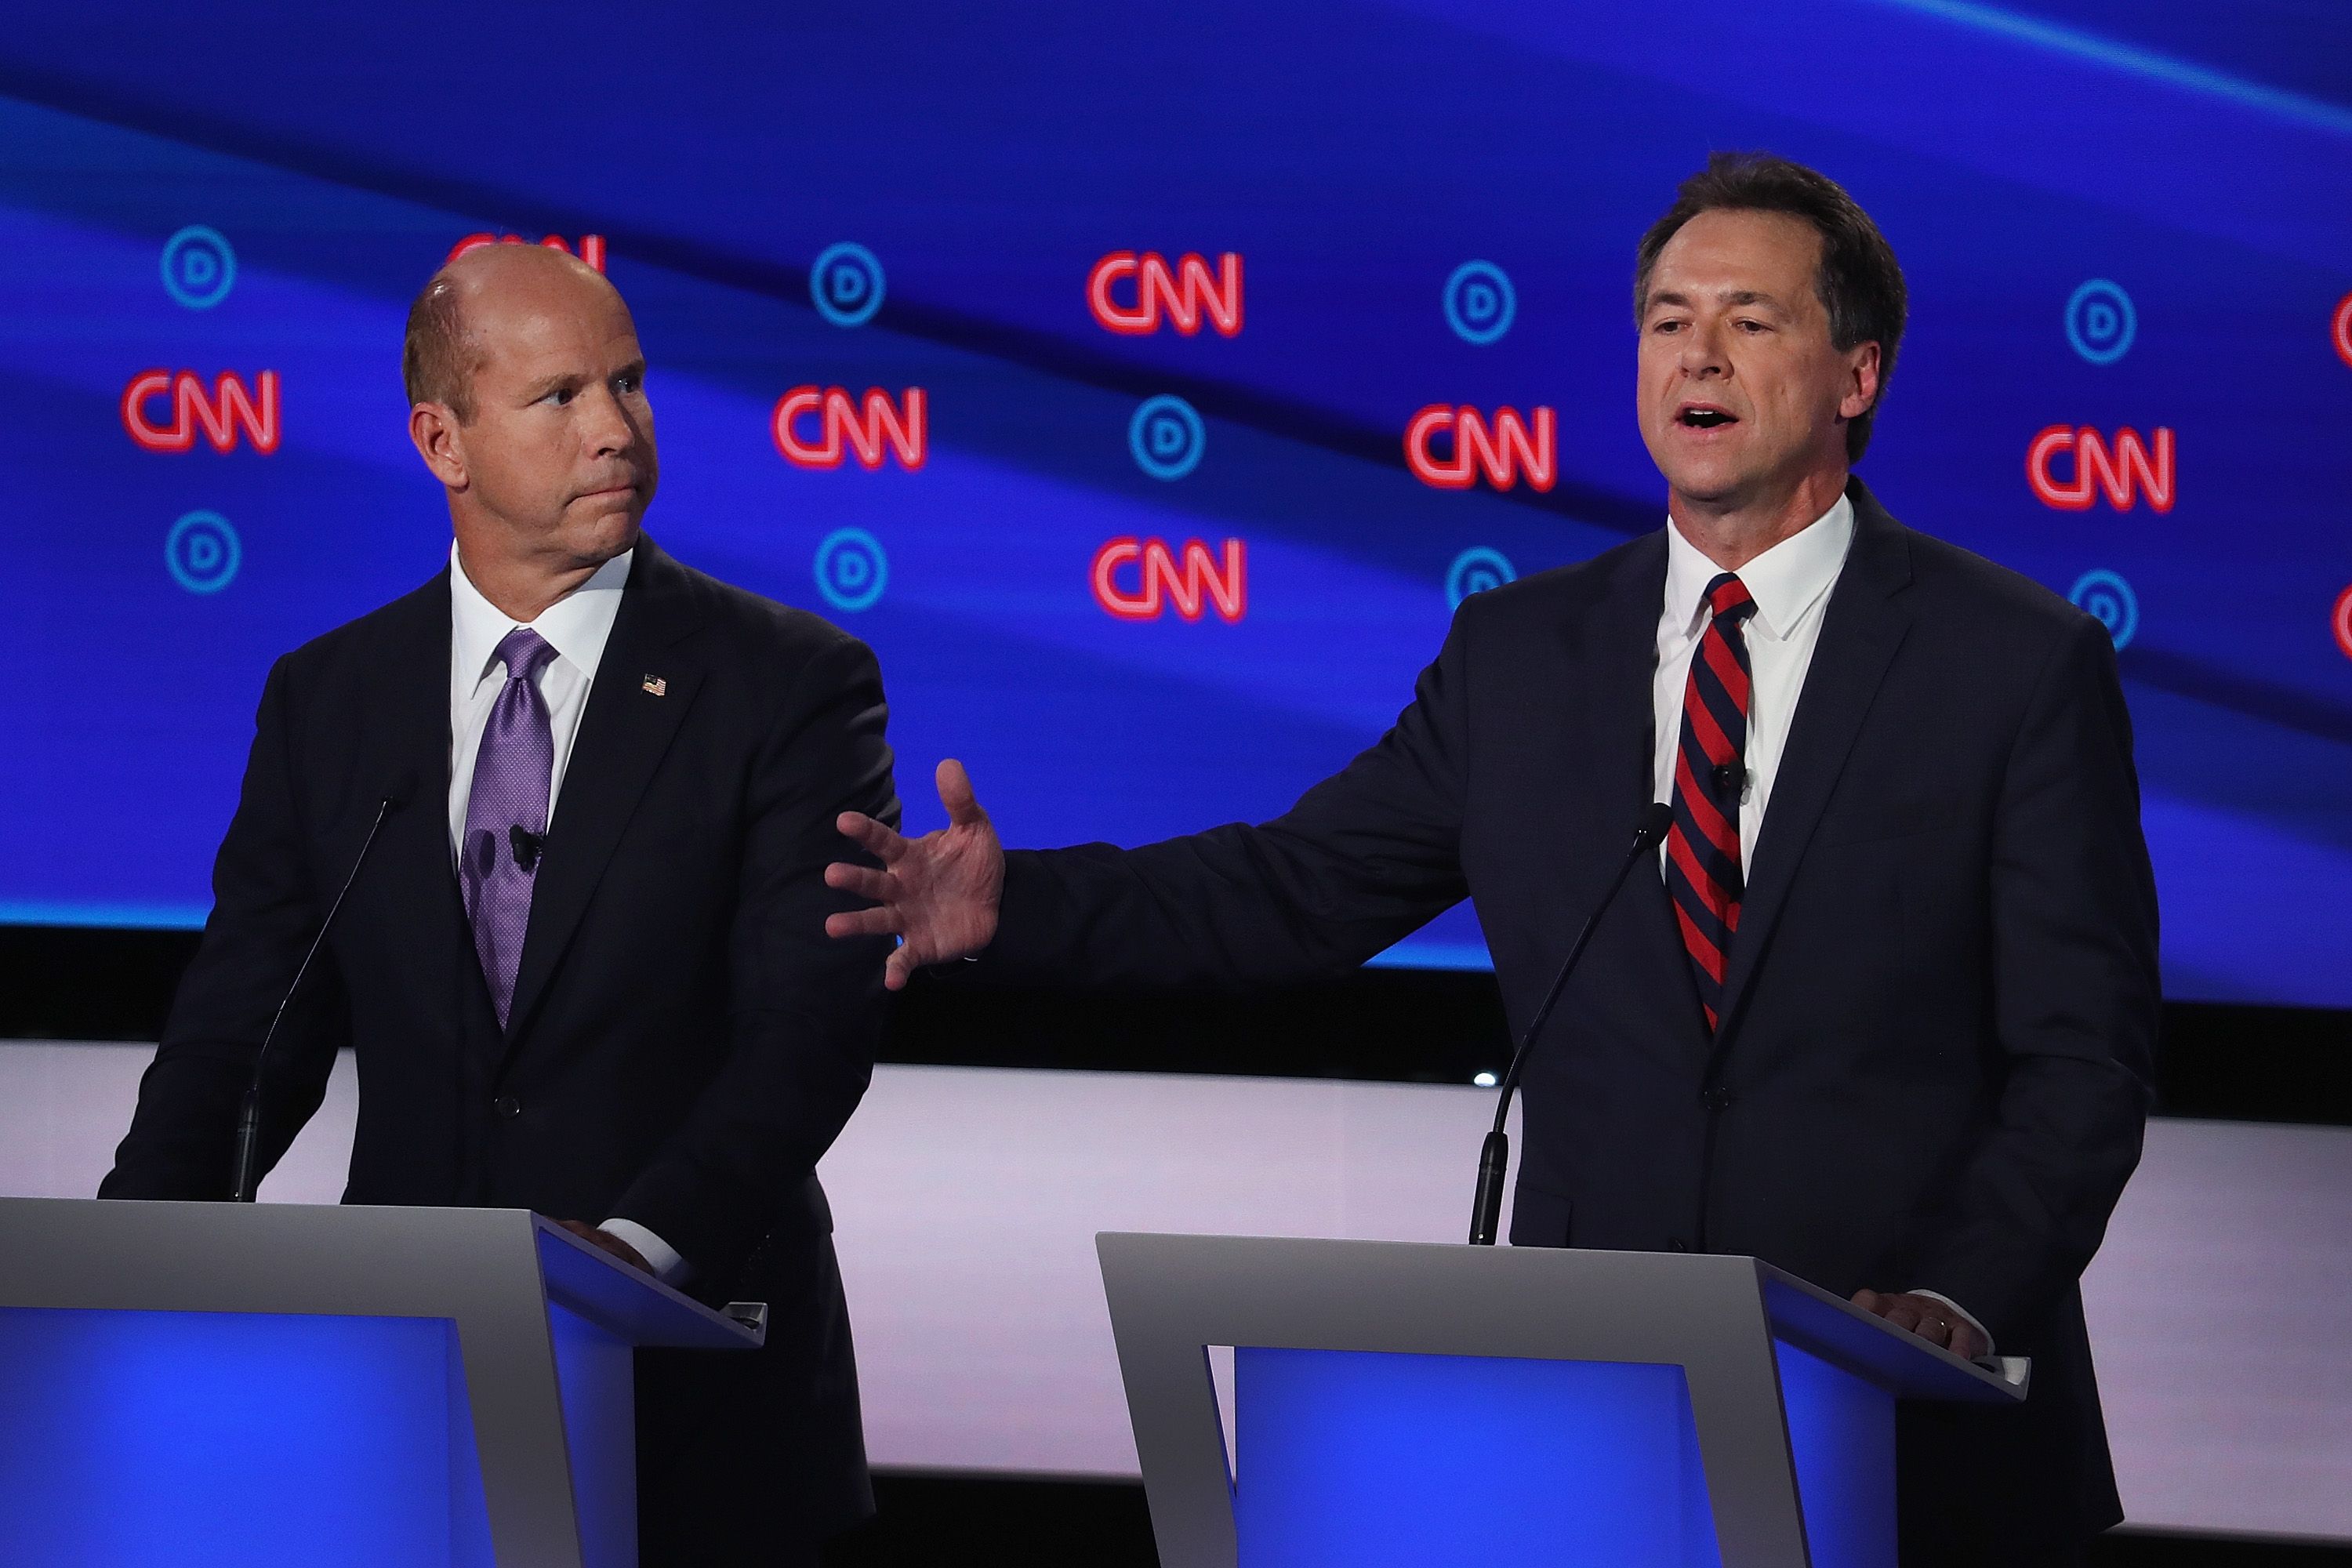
(1148, 385)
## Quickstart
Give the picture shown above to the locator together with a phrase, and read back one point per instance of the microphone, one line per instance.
(526, 846)
(246, 1180)
(1495, 1158)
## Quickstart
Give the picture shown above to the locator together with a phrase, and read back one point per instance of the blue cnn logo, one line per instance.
(203, 553)
(2100, 321)
(199, 267)
(846, 285)
(1480, 303)
(851, 569)
(1166, 437)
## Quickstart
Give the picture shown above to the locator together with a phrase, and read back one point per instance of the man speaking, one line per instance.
(1882, 1015)
(580, 964)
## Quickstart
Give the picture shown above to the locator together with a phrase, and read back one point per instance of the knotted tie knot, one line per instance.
(524, 653)
(1728, 597)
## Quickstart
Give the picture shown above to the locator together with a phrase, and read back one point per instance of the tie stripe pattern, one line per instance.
(1702, 868)
(511, 775)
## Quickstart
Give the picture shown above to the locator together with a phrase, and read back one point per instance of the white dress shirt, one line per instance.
(1790, 583)
(576, 626)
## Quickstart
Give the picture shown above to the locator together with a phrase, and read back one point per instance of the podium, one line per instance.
(1408, 1403)
(212, 1383)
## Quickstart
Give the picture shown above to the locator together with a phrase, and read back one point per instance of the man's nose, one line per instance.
(610, 430)
(1703, 352)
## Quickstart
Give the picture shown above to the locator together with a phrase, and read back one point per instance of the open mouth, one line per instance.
(1704, 417)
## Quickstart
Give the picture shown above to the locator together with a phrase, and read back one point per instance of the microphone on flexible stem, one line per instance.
(1495, 1158)
(246, 1180)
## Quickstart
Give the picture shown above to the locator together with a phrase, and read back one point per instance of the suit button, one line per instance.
(507, 1107)
(1716, 1099)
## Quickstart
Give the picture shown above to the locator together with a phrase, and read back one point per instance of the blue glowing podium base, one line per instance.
(192, 1385)
(1426, 1406)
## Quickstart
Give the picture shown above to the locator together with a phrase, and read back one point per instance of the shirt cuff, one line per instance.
(671, 1268)
(1985, 1354)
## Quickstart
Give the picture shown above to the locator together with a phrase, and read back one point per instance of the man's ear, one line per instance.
(434, 430)
(1862, 382)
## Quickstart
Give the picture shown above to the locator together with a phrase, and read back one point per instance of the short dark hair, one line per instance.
(1860, 282)
(436, 362)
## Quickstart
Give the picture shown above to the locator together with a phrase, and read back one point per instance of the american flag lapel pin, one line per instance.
(657, 684)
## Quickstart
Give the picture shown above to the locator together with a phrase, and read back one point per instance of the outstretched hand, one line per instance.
(937, 894)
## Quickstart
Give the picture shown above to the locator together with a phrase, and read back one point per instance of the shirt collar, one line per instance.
(1786, 582)
(576, 626)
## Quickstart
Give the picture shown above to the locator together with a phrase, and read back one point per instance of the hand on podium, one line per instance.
(937, 894)
(605, 1241)
(1933, 1321)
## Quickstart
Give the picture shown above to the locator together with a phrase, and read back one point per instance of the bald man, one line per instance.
(582, 965)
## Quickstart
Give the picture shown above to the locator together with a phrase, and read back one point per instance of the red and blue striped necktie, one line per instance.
(1703, 870)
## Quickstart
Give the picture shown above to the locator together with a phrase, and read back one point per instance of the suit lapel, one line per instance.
(623, 736)
(409, 719)
(1619, 747)
(1862, 627)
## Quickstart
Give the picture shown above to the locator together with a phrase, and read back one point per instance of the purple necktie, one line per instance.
(506, 817)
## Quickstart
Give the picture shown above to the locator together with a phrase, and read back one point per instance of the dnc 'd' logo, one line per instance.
(817, 426)
(592, 246)
(229, 408)
(2122, 470)
(199, 267)
(1133, 294)
(1200, 584)
(1503, 449)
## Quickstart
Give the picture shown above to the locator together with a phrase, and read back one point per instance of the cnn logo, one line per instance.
(1503, 449)
(220, 415)
(2123, 471)
(1201, 581)
(592, 246)
(816, 428)
(1183, 297)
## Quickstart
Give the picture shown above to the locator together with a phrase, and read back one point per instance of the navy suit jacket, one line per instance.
(683, 1041)
(1933, 1069)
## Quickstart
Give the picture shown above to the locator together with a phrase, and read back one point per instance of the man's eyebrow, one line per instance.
(547, 383)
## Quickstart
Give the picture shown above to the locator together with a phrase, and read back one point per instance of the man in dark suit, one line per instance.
(1882, 1015)
(580, 966)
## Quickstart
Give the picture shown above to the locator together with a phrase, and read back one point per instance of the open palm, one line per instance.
(937, 894)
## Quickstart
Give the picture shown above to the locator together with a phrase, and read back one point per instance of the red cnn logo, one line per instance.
(1182, 297)
(842, 426)
(229, 407)
(592, 246)
(1500, 450)
(1159, 582)
(2116, 472)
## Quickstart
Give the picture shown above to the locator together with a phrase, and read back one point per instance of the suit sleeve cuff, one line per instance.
(1963, 1311)
(668, 1267)
(1019, 952)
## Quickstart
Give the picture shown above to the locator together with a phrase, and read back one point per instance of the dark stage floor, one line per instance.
(936, 1522)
